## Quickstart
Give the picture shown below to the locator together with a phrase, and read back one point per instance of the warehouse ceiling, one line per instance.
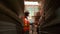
(32, 0)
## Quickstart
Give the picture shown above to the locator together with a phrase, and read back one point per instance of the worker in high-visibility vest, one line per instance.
(26, 23)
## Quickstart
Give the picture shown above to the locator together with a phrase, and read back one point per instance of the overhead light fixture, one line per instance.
(30, 3)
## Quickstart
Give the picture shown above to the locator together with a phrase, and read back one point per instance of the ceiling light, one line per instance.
(31, 3)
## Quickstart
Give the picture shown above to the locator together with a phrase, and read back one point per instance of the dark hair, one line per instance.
(26, 14)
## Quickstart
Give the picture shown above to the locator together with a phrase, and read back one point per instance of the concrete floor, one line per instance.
(33, 28)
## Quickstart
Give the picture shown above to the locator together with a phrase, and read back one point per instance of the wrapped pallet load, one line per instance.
(51, 23)
(10, 10)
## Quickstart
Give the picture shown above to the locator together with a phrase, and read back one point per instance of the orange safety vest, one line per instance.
(26, 25)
